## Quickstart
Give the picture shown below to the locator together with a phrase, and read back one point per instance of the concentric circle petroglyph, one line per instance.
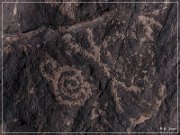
(69, 86)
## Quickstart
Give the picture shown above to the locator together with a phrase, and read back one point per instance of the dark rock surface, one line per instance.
(90, 67)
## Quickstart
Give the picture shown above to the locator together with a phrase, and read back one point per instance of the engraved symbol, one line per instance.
(70, 87)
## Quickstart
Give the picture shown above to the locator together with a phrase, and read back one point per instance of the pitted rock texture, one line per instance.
(90, 67)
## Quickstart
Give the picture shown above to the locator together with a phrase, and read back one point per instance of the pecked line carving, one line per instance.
(69, 86)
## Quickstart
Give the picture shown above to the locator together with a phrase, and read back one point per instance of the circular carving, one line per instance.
(70, 87)
(73, 89)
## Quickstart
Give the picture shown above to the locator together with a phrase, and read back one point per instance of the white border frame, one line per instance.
(98, 132)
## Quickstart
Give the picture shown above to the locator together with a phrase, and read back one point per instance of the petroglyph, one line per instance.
(70, 87)
(94, 53)
(89, 67)
(148, 23)
(75, 48)
(95, 50)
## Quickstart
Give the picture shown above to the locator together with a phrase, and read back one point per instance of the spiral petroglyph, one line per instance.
(70, 87)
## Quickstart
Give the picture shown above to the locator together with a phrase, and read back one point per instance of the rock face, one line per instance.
(90, 67)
